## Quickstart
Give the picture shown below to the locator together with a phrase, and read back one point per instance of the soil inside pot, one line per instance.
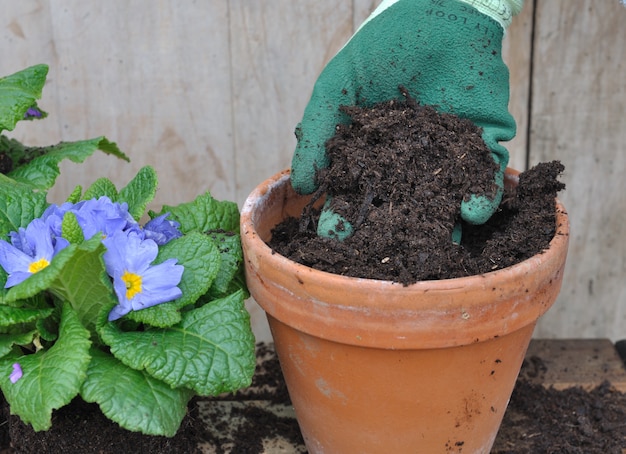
(398, 173)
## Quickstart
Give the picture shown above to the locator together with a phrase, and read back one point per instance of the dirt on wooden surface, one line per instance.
(538, 420)
(398, 173)
(568, 421)
(81, 428)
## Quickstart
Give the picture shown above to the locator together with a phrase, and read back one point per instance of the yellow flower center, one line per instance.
(133, 284)
(38, 265)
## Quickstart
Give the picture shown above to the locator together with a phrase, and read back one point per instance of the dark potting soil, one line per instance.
(398, 173)
(82, 429)
(569, 421)
(538, 420)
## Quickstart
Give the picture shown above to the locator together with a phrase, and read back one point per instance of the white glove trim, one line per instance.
(500, 10)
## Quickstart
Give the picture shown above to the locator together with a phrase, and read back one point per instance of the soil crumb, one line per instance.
(398, 173)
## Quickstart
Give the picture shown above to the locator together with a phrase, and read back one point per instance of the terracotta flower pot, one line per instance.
(377, 367)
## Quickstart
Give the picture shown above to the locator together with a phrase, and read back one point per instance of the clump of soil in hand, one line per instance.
(376, 163)
(398, 173)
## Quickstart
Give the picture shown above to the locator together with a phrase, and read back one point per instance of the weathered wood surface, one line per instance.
(209, 94)
(566, 363)
(578, 116)
(517, 48)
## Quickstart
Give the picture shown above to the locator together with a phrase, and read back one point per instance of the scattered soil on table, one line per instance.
(81, 427)
(569, 421)
(537, 420)
(398, 173)
(259, 424)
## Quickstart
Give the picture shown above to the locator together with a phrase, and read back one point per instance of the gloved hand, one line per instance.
(447, 53)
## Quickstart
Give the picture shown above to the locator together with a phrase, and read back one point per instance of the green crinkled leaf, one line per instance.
(18, 92)
(205, 214)
(18, 206)
(229, 245)
(71, 229)
(42, 170)
(76, 275)
(47, 328)
(134, 399)
(210, 351)
(14, 315)
(101, 187)
(200, 257)
(84, 283)
(3, 280)
(16, 154)
(51, 378)
(140, 191)
(161, 315)
(7, 341)
(37, 301)
(75, 195)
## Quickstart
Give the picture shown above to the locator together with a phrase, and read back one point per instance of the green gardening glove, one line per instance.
(447, 53)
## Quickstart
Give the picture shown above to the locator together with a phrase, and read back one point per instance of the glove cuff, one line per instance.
(502, 11)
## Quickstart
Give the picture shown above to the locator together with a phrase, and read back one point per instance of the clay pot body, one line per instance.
(377, 367)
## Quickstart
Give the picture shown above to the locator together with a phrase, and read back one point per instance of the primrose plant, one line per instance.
(137, 317)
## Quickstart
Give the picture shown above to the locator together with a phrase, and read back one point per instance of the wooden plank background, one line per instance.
(209, 93)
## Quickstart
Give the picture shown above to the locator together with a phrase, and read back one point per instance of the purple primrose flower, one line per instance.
(139, 284)
(33, 112)
(128, 259)
(162, 230)
(16, 374)
(94, 216)
(103, 216)
(31, 250)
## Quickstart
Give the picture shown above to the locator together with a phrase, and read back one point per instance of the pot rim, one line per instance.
(561, 237)
(431, 313)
